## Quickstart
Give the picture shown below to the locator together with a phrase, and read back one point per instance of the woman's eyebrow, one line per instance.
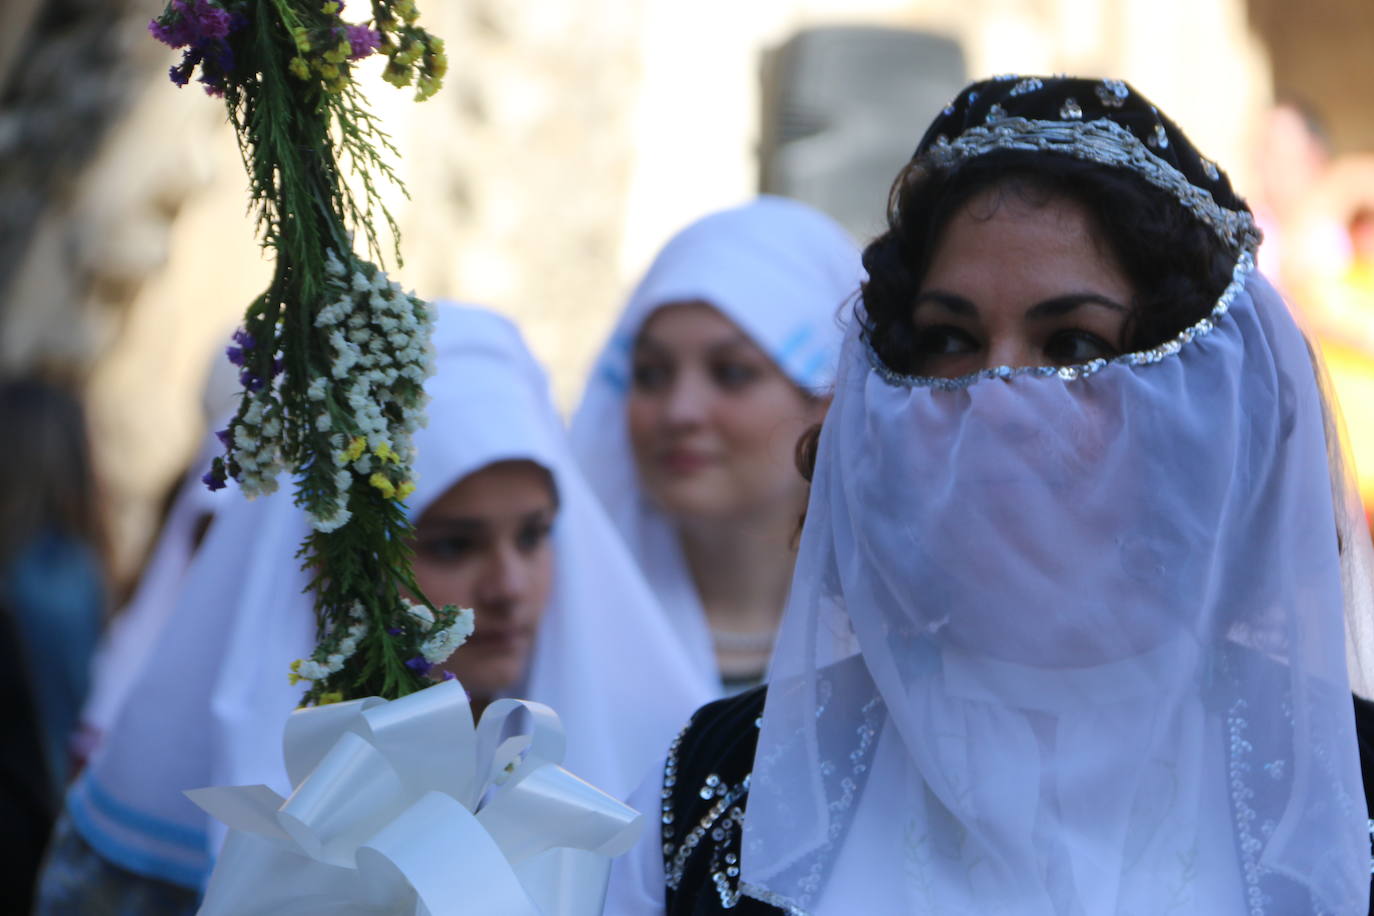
(1061, 305)
(956, 304)
(452, 524)
(730, 343)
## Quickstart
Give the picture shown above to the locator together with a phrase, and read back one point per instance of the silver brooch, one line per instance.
(1071, 110)
(995, 114)
(1160, 139)
(1030, 84)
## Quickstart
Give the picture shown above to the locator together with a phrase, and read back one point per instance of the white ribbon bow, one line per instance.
(404, 807)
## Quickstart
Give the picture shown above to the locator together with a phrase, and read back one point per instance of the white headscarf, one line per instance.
(1099, 617)
(210, 705)
(134, 631)
(780, 271)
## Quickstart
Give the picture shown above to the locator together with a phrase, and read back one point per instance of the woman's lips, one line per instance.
(680, 461)
(499, 638)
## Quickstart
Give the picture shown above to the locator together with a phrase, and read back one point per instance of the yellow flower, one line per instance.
(425, 87)
(329, 71)
(355, 449)
(294, 678)
(380, 481)
(302, 37)
(385, 453)
(299, 68)
(405, 489)
(330, 8)
(332, 696)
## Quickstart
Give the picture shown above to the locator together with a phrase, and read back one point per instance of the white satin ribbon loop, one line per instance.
(407, 808)
(307, 738)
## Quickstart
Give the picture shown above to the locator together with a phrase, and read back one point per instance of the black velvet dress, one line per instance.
(706, 790)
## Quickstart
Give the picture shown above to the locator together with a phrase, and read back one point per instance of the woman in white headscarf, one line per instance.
(721, 360)
(504, 523)
(1083, 588)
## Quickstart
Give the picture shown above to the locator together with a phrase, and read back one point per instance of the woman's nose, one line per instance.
(687, 402)
(505, 579)
(1013, 350)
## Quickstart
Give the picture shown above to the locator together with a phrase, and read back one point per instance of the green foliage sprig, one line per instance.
(333, 354)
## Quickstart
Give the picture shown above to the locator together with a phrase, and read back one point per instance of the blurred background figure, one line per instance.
(720, 362)
(188, 509)
(505, 525)
(124, 249)
(52, 605)
(1331, 285)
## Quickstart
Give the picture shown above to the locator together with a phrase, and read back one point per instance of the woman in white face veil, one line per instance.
(1068, 631)
(210, 704)
(721, 359)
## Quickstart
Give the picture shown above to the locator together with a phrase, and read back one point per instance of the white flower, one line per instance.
(421, 613)
(335, 521)
(442, 644)
(332, 265)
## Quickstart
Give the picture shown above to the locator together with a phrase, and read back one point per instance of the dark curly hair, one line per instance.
(1177, 266)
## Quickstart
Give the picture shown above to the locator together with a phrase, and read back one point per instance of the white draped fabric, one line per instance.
(1102, 619)
(780, 271)
(209, 706)
(136, 628)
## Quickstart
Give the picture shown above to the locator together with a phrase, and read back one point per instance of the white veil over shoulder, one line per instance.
(778, 269)
(134, 630)
(209, 706)
(1100, 611)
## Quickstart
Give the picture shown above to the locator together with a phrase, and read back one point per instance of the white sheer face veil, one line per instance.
(210, 703)
(1099, 610)
(777, 269)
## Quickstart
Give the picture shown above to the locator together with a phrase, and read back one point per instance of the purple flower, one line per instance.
(188, 21)
(181, 73)
(244, 339)
(202, 27)
(235, 355)
(363, 40)
(278, 365)
(449, 676)
(212, 480)
(418, 664)
(224, 437)
(250, 381)
(394, 631)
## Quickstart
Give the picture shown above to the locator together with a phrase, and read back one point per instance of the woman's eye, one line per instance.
(943, 340)
(650, 375)
(444, 549)
(733, 376)
(532, 536)
(1068, 348)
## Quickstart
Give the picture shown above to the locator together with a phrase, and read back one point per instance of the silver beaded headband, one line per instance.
(1107, 143)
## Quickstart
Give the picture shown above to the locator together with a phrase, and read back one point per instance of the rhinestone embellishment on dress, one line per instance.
(1113, 93)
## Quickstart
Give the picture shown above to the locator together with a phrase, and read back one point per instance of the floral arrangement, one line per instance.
(333, 355)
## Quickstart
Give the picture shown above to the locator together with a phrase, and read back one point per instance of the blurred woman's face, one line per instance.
(485, 544)
(1016, 281)
(713, 422)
